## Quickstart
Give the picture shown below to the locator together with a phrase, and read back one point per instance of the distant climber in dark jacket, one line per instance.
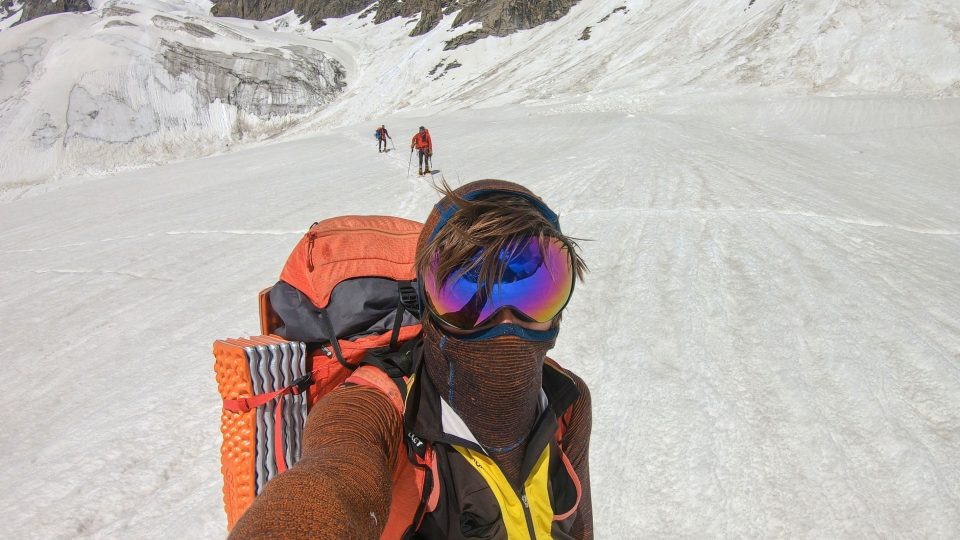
(382, 137)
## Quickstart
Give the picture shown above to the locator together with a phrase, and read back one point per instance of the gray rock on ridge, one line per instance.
(311, 11)
(503, 17)
(498, 17)
(6, 9)
(431, 11)
(38, 8)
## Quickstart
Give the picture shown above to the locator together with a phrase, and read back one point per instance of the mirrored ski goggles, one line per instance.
(537, 284)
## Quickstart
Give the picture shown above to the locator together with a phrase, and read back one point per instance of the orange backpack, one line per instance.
(346, 291)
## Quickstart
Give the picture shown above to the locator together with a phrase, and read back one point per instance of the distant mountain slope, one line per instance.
(311, 11)
(497, 17)
(629, 55)
(134, 86)
(138, 83)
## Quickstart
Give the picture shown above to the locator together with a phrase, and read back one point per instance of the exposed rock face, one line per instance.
(38, 8)
(499, 17)
(312, 11)
(465, 39)
(503, 17)
(431, 12)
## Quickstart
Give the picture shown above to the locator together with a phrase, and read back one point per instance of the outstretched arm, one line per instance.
(341, 486)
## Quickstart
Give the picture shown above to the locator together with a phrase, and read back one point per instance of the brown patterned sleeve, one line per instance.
(576, 441)
(341, 486)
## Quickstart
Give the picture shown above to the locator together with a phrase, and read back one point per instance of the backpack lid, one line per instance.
(347, 247)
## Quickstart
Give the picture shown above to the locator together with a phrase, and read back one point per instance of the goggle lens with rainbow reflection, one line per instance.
(537, 283)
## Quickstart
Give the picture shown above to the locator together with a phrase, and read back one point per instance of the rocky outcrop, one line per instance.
(312, 11)
(465, 38)
(38, 8)
(431, 12)
(499, 17)
(503, 17)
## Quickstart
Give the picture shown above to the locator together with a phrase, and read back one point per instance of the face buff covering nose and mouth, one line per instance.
(493, 385)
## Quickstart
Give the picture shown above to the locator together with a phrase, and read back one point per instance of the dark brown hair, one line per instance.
(492, 223)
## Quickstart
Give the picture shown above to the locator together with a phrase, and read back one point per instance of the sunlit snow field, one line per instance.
(770, 327)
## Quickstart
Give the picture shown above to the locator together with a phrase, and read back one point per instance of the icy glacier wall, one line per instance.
(82, 94)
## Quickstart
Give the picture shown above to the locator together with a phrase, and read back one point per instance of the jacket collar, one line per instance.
(430, 418)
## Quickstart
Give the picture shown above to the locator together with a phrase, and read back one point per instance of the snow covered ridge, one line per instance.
(134, 86)
(140, 83)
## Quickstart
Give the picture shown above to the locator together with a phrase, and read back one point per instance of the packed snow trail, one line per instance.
(770, 325)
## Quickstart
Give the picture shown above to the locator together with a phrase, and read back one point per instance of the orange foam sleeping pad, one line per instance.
(239, 449)
(238, 452)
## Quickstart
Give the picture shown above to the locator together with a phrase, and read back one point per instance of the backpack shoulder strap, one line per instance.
(388, 370)
(374, 377)
(416, 489)
(563, 421)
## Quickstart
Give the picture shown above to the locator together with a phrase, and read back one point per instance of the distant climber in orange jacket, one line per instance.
(421, 141)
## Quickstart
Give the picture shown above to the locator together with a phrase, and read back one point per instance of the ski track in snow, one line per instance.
(151, 235)
(237, 232)
(785, 333)
(101, 272)
(729, 212)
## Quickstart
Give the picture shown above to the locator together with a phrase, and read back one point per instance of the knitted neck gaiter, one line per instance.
(493, 385)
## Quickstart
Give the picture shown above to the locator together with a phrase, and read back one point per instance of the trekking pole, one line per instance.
(409, 162)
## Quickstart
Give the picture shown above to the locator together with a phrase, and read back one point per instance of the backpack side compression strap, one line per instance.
(245, 404)
(332, 336)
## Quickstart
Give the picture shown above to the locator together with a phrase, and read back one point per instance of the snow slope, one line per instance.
(770, 327)
(100, 92)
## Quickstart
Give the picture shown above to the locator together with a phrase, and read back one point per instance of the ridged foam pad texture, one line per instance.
(238, 452)
(247, 367)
